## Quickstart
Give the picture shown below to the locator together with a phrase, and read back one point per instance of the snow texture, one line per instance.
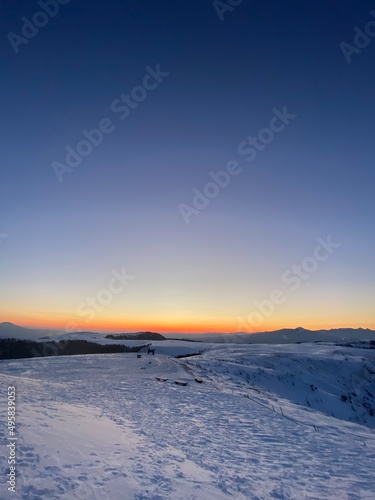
(253, 422)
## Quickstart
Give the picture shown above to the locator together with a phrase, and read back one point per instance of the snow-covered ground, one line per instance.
(259, 425)
(338, 381)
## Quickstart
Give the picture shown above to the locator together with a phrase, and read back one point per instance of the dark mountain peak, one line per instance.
(8, 325)
(10, 330)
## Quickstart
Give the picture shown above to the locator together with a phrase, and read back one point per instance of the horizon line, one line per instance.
(189, 332)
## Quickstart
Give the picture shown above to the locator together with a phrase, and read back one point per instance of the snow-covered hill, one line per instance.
(115, 426)
(335, 380)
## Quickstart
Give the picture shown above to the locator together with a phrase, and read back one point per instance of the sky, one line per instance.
(226, 175)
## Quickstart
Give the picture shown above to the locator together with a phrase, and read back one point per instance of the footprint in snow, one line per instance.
(51, 468)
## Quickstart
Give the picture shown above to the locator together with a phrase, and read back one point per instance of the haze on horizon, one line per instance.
(230, 186)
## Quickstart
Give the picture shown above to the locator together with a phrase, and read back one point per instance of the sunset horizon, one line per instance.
(152, 193)
(71, 327)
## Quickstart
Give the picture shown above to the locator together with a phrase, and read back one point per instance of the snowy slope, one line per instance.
(103, 427)
(335, 380)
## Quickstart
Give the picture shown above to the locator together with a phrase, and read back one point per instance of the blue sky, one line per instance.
(120, 207)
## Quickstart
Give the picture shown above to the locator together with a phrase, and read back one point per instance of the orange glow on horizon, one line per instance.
(115, 325)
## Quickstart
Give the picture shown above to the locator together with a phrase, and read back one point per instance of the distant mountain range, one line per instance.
(288, 336)
(11, 331)
(284, 336)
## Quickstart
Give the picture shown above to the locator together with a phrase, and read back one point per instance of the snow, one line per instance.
(313, 375)
(103, 426)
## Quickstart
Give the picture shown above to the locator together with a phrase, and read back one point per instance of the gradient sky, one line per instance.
(120, 207)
